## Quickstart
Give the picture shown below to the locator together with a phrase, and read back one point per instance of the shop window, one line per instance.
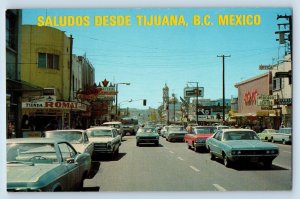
(11, 31)
(47, 60)
(277, 84)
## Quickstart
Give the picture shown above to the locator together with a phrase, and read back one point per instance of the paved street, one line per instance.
(172, 167)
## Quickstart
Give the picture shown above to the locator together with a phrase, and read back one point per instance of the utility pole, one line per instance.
(71, 80)
(223, 83)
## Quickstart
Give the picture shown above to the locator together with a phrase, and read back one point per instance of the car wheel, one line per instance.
(227, 162)
(267, 164)
(212, 156)
(283, 141)
(156, 143)
(82, 181)
(272, 140)
(196, 149)
(137, 144)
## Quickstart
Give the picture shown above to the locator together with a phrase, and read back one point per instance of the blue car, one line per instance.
(241, 145)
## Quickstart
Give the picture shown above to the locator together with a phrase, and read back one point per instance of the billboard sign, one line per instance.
(193, 92)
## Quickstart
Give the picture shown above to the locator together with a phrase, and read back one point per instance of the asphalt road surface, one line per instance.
(174, 167)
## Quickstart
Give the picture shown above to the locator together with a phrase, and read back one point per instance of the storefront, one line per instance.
(256, 102)
(45, 113)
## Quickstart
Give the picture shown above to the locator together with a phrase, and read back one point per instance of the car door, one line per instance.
(73, 174)
(215, 143)
(89, 146)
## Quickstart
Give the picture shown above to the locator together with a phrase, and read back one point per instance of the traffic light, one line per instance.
(144, 102)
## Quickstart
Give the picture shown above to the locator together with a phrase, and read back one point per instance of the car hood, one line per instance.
(249, 144)
(22, 175)
(79, 147)
(100, 139)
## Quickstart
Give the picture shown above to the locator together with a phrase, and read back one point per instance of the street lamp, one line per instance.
(123, 102)
(197, 94)
(125, 83)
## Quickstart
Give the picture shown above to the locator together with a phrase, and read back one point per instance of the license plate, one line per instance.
(254, 159)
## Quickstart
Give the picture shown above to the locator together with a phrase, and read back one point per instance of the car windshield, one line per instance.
(70, 136)
(240, 135)
(285, 131)
(271, 131)
(205, 130)
(113, 125)
(100, 133)
(176, 128)
(146, 130)
(31, 153)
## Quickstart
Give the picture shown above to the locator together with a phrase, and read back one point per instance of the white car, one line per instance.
(117, 125)
(77, 137)
(106, 140)
(284, 135)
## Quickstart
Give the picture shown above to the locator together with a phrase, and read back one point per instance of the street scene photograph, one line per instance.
(149, 99)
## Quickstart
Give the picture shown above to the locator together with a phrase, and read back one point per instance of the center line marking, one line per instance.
(219, 188)
(166, 147)
(180, 158)
(171, 151)
(195, 169)
(287, 151)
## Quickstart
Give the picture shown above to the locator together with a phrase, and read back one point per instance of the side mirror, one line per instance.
(70, 160)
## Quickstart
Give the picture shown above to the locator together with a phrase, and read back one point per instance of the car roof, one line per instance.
(238, 130)
(66, 130)
(35, 140)
(112, 123)
(101, 127)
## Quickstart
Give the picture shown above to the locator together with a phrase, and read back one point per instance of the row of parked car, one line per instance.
(60, 161)
(232, 145)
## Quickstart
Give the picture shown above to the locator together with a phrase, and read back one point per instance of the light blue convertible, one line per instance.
(44, 164)
(241, 145)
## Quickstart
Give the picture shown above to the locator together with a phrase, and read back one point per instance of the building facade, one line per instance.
(255, 101)
(46, 57)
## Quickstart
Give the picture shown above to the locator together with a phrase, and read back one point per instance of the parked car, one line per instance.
(241, 145)
(106, 140)
(78, 138)
(163, 131)
(116, 125)
(197, 138)
(267, 134)
(175, 133)
(147, 135)
(44, 164)
(284, 135)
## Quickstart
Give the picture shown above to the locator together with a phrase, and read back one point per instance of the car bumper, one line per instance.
(148, 140)
(199, 145)
(253, 159)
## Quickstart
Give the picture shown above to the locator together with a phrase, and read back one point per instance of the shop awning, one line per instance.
(20, 85)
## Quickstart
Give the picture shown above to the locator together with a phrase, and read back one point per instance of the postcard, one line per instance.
(149, 99)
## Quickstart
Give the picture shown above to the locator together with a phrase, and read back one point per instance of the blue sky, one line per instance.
(149, 57)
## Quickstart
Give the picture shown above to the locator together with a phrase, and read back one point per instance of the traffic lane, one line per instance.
(285, 156)
(284, 159)
(146, 168)
(248, 177)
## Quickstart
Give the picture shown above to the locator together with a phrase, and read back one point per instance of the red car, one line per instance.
(197, 137)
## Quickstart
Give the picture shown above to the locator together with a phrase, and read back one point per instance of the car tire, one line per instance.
(137, 144)
(227, 162)
(156, 143)
(267, 164)
(284, 142)
(212, 156)
(196, 149)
